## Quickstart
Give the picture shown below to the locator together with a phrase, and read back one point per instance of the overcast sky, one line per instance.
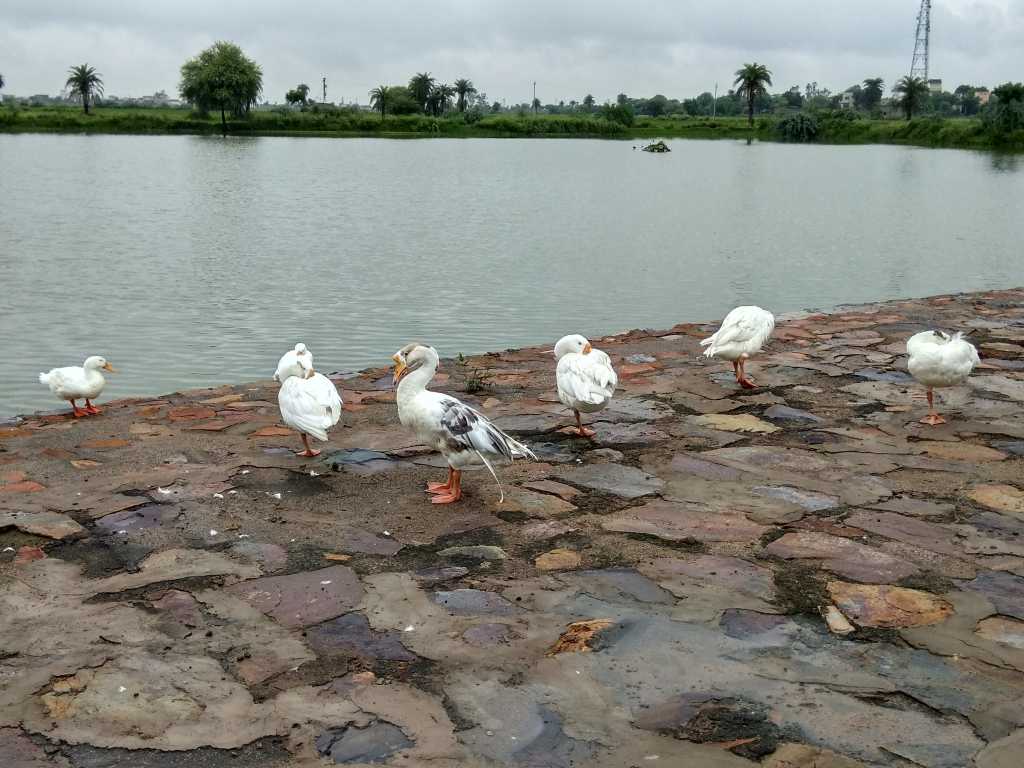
(570, 47)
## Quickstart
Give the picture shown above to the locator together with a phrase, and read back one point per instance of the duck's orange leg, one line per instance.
(455, 492)
(309, 452)
(91, 409)
(584, 431)
(76, 411)
(745, 381)
(442, 488)
(933, 418)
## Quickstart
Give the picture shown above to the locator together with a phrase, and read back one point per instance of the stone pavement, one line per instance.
(798, 575)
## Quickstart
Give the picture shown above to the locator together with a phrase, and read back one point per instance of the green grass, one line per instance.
(928, 132)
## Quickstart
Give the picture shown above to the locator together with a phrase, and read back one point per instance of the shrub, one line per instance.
(798, 127)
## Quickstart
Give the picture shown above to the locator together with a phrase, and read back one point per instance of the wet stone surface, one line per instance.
(178, 588)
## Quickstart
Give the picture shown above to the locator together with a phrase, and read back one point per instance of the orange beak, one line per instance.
(109, 368)
(588, 349)
(400, 369)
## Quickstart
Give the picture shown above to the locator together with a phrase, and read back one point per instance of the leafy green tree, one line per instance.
(622, 99)
(1, 82)
(588, 103)
(535, 104)
(298, 95)
(1006, 116)
(914, 91)
(496, 107)
(463, 88)
(85, 82)
(379, 99)
(222, 78)
(799, 127)
(656, 106)
(753, 81)
(440, 99)
(400, 101)
(872, 93)
(420, 86)
(793, 98)
(618, 113)
(966, 98)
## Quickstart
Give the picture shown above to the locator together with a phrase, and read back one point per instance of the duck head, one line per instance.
(97, 363)
(572, 343)
(412, 357)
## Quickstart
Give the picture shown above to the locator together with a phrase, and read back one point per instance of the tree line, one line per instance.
(222, 79)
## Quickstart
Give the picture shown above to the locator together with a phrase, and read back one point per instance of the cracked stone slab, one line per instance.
(305, 598)
(626, 482)
(52, 525)
(843, 556)
(872, 605)
(676, 522)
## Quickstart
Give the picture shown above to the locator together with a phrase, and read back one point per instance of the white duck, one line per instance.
(309, 401)
(585, 378)
(744, 331)
(292, 355)
(464, 436)
(937, 359)
(74, 383)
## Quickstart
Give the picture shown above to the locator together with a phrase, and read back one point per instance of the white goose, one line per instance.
(585, 378)
(464, 436)
(744, 331)
(75, 383)
(309, 401)
(937, 359)
(300, 352)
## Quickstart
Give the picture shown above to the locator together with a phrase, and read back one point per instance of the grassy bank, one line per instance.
(927, 132)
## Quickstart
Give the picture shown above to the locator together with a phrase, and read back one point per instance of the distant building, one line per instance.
(935, 85)
(983, 95)
(846, 100)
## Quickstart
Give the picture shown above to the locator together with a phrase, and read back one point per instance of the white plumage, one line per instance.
(79, 382)
(465, 437)
(585, 378)
(937, 359)
(742, 334)
(309, 401)
(299, 354)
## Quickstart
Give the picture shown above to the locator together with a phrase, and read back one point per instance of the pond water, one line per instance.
(192, 261)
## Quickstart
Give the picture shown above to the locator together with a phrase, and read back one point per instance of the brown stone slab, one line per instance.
(303, 599)
(845, 557)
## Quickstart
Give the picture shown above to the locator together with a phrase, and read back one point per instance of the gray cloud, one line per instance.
(572, 47)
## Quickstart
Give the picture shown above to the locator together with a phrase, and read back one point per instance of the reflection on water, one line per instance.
(192, 261)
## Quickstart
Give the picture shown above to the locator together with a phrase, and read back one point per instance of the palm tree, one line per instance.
(463, 88)
(86, 82)
(440, 99)
(915, 91)
(873, 91)
(753, 81)
(379, 99)
(420, 86)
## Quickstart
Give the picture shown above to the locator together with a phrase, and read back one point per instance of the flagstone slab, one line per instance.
(1003, 498)
(1004, 590)
(1002, 630)
(52, 525)
(617, 479)
(729, 422)
(871, 605)
(907, 505)
(302, 599)
(907, 529)
(677, 522)
(845, 557)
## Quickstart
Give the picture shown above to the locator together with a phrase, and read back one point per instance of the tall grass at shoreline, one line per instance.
(928, 132)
